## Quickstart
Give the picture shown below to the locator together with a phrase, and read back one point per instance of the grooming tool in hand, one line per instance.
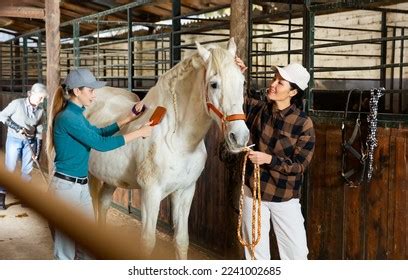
(137, 114)
(158, 115)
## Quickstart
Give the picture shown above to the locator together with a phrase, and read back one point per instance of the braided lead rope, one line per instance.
(256, 205)
(372, 142)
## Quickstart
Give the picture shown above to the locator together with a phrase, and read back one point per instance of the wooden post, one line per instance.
(52, 22)
(239, 27)
(239, 30)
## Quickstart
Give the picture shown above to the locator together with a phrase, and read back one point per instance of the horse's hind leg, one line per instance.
(150, 205)
(101, 197)
(105, 200)
(181, 204)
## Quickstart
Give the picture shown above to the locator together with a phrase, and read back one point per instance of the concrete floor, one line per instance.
(24, 235)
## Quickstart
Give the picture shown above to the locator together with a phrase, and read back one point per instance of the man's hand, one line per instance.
(259, 157)
(27, 133)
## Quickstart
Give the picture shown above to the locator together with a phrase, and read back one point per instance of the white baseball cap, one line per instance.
(294, 73)
(82, 77)
(38, 88)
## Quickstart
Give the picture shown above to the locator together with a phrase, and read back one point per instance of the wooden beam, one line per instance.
(239, 27)
(23, 27)
(5, 21)
(52, 22)
(239, 31)
(22, 12)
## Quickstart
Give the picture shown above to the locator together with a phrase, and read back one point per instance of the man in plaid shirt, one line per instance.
(284, 141)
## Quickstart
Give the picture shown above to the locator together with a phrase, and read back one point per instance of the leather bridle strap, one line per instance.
(235, 117)
(230, 118)
(211, 107)
(347, 145)
(219, 114)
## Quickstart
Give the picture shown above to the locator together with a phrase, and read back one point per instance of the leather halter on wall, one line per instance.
(352, 176)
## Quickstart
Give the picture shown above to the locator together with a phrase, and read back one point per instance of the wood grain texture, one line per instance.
(52, 22)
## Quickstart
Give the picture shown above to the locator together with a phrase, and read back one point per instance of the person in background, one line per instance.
(24, 118)
(72, 137)
(284, 140)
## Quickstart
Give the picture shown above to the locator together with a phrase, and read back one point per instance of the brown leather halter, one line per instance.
(220, 114)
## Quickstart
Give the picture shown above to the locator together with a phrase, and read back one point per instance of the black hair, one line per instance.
(298, 98)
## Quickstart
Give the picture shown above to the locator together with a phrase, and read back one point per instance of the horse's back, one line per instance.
(111, 103)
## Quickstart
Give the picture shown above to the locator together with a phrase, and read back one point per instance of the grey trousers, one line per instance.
(78, 196)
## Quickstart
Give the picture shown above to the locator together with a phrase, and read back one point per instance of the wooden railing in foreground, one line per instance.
(103, 243)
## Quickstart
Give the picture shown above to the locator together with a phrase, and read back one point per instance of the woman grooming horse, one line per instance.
(202, 88)
(73, 137)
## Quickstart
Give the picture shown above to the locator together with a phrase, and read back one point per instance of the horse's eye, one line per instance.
(214, 85)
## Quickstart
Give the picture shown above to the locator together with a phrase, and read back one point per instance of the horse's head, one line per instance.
(224, 88)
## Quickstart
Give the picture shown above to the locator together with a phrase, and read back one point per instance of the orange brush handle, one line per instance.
(158, 115)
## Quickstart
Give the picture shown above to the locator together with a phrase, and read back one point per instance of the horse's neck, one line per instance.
(192, 122)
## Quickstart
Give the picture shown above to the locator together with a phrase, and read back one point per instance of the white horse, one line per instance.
(204, 87)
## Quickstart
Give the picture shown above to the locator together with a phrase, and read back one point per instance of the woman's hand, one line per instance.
(134, 113)
(259, 157)
(137, 108)
(240, 64)
(145, 130)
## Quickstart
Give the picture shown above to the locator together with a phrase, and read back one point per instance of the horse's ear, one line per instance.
(203, 52)
(232, 47)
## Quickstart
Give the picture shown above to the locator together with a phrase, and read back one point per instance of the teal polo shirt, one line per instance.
(74, 137)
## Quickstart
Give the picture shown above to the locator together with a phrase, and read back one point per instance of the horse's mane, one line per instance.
(219, 62)
(167, 82)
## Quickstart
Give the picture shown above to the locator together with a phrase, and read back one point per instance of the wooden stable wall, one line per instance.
(368, 222)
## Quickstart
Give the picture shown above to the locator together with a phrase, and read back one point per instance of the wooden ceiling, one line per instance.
(153, 12)
(72, 9)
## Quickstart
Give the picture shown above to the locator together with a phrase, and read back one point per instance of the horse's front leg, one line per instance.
(150, 205)
(181, 204)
